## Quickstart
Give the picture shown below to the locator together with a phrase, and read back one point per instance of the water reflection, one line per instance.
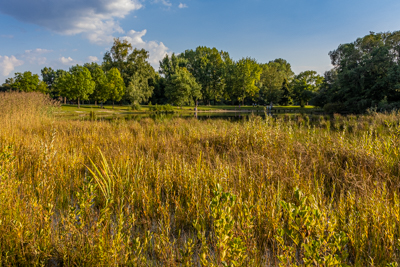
(231, 116)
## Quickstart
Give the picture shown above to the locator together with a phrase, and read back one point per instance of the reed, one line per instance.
(290, 191)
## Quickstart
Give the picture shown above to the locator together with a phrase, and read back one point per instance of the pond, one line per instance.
(231, 116)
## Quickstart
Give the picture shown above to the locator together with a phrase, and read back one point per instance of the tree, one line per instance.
(115, 85)
(229, 74)
(271, 79)
(206, 65)
(26, 82)
(182, 88)
(140, 73)
(286, 98)
(159, 84)
(305, 85)
(76, 84)
(100, 92)
(117, 58)
(170, 65)
(49, 76)
(247, 72)
(365, 73)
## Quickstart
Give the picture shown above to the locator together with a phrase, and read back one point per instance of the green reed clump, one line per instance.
(260, 192)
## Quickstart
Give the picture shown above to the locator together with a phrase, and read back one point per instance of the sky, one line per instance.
(63, 33)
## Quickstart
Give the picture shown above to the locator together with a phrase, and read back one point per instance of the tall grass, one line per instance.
(291, 191)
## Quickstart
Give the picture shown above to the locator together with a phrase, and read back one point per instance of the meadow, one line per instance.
(285, 191)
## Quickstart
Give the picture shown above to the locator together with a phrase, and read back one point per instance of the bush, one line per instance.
(161, 108)
(136, 106)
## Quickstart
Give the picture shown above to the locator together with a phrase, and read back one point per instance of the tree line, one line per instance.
(365, 74)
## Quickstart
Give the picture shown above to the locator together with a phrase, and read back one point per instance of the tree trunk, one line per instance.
(65, 100)
(113, 104)
(79, 105)
(95, 103)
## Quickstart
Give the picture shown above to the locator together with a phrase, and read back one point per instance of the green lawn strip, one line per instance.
(108, 109)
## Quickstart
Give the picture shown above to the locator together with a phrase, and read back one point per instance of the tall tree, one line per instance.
(182, 88)
(169, 65)
(141, 73)
(117, 57)
(248, 72)
(100, 92)
(76, 84)
(364, 72)
(286, 97)
(115, 85)
(272, 77)
(206, 65)
(26, 82)
(305, 85)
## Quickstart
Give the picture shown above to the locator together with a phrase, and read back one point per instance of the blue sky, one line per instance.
(62, 33)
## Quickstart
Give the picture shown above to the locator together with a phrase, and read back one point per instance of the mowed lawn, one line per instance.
(125, 109)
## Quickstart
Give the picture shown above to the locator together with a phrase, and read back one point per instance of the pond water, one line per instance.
(231, 116)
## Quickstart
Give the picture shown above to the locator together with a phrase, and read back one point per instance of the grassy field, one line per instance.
(84, 110)
(286, 191)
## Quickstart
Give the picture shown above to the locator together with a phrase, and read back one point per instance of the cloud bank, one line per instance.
(8, 64)
(95, 19)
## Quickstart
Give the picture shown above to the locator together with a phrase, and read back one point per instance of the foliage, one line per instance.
(247, 74)
(182, 88)
(272, 78)
(365, 72)
(161, 108)
(100, 92)
(115, 85)
(207, 66)
(26, 82)
(134, 68)
(305, 85)
(76, 84)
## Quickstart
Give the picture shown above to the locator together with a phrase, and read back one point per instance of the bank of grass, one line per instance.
(290, 191)
(84, 110)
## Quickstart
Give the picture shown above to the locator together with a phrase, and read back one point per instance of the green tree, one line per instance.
(76, 84)
(49, 76)
(141, 73)
(115, 85)
(100, 92)
(159, 84)
(286, 97)
(271, 79)
(305, 85)
(117, 57)
(182, 88)
(26, 82)
(229, 73)
(248, 72)
(169, 65)
(206, 65)
(365, 73)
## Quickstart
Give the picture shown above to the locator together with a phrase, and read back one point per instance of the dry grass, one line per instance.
(293, 191)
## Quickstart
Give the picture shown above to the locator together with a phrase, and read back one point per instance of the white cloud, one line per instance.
(8, 64)
(35, 56)
(66, 60)
(182, 5)
(156, 50)
(164, 2)
(94, 19)
(93, 59)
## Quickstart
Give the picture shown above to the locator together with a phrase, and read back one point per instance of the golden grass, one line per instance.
(291, 191)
